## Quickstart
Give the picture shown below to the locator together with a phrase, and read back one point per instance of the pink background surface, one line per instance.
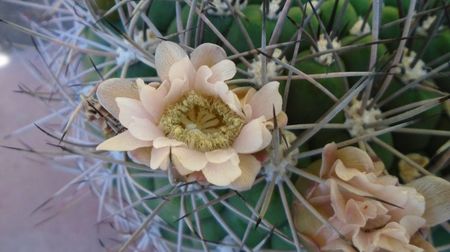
(26, 183)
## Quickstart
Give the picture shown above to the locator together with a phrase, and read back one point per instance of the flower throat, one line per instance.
(203, 123)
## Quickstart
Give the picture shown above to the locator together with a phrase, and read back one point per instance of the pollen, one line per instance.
(203, 123)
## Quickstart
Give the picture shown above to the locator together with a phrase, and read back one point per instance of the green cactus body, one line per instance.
(390, 14)
(361, 7)
(344, 18)
(252, 23)
(170, 212)
(139, 70)
(221, 22)
(438, 47)
(277, 243)
(274, 215)
(429, 119)
(303, 96)
(437, 142)
(162, 22)
(102, 6)
(357, 59)
(395, 3)
(385, 156)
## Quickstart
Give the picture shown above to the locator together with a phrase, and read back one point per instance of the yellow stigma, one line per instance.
(203, 123)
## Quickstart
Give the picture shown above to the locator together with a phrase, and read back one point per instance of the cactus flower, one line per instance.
(192, 121)
(371, 211)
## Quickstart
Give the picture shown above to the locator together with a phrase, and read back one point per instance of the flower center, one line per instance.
(203, 123)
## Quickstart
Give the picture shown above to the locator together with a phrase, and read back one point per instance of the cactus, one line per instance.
(362, 73)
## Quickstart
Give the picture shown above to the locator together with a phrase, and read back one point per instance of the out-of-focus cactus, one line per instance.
(367, 73)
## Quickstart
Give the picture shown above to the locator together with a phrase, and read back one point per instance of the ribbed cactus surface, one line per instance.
(372, 74)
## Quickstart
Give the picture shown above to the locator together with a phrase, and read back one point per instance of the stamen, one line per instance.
(203, 123)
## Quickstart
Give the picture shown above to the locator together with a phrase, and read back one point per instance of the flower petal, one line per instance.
(232, 100)
(178, 88)
(166, 142)
(253, 137)
(207, 54)
(223, 70)
(244, 93)
(153, 101)
(412, 224)
(159, 156)
(222, 174)
(220, 156)
(205, 86)
(130, 108)
(355, 158)
(250, 168)
(141, 155)
(265, 100)
(343, 172)
(144, 129)
(190, 159)
(436, 192)
(182, 69)
(166, 54)
(123, 142)
(328, 159)
(110, 89)
(181, 169)
(337, 200)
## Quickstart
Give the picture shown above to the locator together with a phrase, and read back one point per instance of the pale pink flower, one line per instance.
(373, 212)
(192, 120)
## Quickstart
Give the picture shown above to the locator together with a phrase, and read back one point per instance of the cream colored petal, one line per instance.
(250, 168)
(179, 167)
(244, 93)
(144, 129)
(110, 89)
(222, 71)
(242, 96)
(253, 137)
(344, 172)
(190, 159)
(207, 54)
(166, 142)
(159, 156)
(337, 200)
(355, 158)
(412, 224)
(222, 174)
(328, 159)
(205, 86)
(183, 70)
(220, 156)
(130, 108)
(436, 192)
(233, 103)
(177, 89)
(166, 54)
(123, 142)
(265, 100)
(140, 84)
(153, 100)
(353, 214)
(141, 155)
(338, 245)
